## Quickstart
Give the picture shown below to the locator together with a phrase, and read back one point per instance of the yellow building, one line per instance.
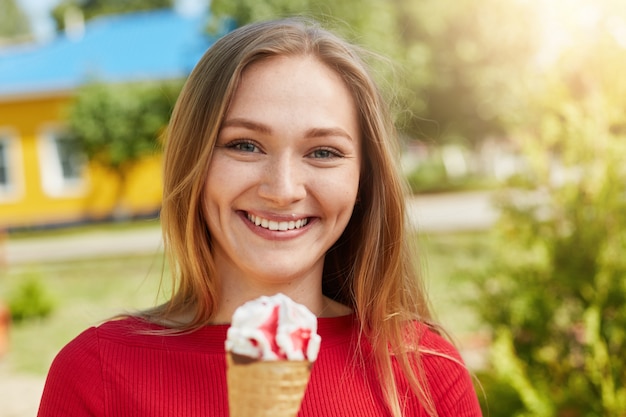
(44, 182)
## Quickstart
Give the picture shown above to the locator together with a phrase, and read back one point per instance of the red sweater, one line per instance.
(116, 370)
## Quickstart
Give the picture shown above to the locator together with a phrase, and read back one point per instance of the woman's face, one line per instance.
(284, 176)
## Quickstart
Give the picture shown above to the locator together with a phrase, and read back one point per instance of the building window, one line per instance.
(62, 165)
(4, 165)
(70, 160)
(10, 166)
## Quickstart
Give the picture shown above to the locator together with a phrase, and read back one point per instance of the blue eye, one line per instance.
(324, 153)
(243, 146)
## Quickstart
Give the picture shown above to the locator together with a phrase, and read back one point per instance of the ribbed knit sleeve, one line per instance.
(123, 369)
(74, 384)
(449, 380)
(342, 383)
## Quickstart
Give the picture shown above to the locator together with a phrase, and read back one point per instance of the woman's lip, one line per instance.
(275, 225)
(275, 233)
(276, 217)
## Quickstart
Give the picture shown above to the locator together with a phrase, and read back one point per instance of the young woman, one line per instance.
(279, 176)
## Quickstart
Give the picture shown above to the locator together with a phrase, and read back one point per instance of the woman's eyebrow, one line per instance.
(315, 132)
(247, 124)
(320, 132)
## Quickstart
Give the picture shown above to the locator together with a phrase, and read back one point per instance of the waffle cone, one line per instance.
(266, 388)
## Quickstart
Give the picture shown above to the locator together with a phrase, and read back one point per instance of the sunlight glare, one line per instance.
(566, 24)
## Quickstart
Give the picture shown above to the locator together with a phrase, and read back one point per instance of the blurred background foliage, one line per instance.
(13, 22)
(94, 8)
(30, 299)
(543, 79)
(555, 292)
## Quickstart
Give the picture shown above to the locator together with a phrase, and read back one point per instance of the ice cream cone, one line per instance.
(266, 388)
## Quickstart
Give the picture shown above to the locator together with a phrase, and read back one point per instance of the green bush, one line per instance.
(30, 300)
(555, 293)
(496, 398)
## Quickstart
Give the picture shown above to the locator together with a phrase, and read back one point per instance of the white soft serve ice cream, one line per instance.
(274, 328)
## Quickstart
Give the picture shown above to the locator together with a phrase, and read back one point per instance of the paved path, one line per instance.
(20, 394)
(452, 212)
(98, 243)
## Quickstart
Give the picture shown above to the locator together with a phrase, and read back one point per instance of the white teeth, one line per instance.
(274, 225)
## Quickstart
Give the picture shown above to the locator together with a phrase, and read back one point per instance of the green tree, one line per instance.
(555, 293)
(369, 22)
(94, 8)
(13, 22)
(115, 126)
(467, 57)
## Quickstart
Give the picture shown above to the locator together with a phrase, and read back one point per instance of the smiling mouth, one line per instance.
(277, 226)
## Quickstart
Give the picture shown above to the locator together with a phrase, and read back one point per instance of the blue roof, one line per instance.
(153, 45)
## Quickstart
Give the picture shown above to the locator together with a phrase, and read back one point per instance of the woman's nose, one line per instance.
(283, 181)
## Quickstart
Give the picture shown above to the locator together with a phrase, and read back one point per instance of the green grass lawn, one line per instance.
(448, 260)
(85, 292)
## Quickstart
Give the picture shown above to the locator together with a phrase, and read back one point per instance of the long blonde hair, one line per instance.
(370, 267)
